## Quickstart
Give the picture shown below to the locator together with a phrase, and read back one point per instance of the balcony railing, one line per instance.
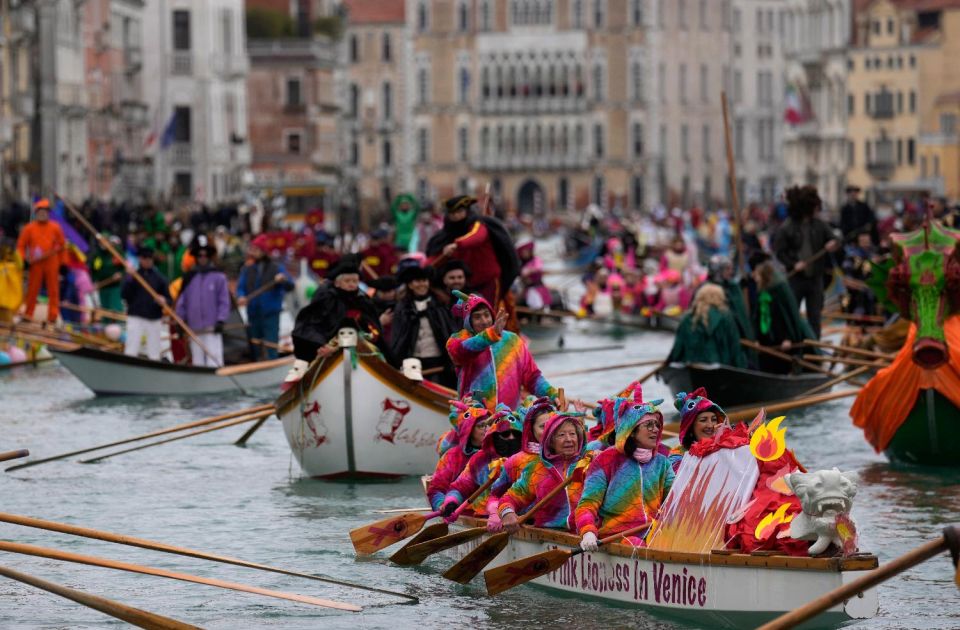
(181, 63)
(537, 162)
(534, 105)
(231, 66)
(882, 113)
(181, 154)
(132, 59)
(881, 168)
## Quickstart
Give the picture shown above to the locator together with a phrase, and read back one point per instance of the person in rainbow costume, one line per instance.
(492, 364)
(700, 418)
(501, 440)
(625, 485)
(470, 428)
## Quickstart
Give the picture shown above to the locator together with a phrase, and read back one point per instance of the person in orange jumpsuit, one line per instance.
(41, 245)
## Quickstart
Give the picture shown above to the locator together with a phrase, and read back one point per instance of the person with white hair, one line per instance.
(708, 332)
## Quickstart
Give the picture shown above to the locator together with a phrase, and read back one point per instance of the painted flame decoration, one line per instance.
(769, 442)
(770, 522)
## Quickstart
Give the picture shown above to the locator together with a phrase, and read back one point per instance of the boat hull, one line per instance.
(930, 435)
(367, 421)
(709, 590)
(733, 387)
(111, 374)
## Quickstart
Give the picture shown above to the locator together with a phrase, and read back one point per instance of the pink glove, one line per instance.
(494, 524)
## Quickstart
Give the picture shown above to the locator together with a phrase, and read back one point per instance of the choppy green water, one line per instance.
(252, 503)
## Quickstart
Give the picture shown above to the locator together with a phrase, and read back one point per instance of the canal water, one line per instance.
(253, 503)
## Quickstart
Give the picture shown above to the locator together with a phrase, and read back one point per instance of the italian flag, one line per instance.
(796, 107)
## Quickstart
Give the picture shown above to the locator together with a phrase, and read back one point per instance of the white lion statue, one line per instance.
(825, 495)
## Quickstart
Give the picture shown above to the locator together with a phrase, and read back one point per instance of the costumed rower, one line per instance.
(708, 332)
(534, 418)
(700, 418)
(722, 273)
(626, 485)
(144, 315)
(482, 243)
(491, 362)
(562, 456)
(776, 315)
(41, 245)
(472, 425)
(263, 312)
(501, 440)
(204, 305)
(421, 326)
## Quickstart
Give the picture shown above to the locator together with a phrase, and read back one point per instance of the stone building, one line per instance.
(195, 57)
(117, 121)
(293, 121)
(374, 94)
(756, 98)
(904, 92)
(544, 100)
(19, 173)
(816, 34)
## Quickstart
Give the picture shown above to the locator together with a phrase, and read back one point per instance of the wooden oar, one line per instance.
(421, 552)
(402, 510)
(820, 254)
(162, 303)
(230, 423)
(106, 282)
(521, 571)
(607, 368)
(103, 312)
(96, 534)
(136, 438)
(66, 556)
(838, 348)
(242, 440)
(786, 405)
(7, 456)
(848, 361)
(133, 616)
(406, 555)
(783, 356)
(840, 379)
(879, 575)
(380, 535)
(853, 317)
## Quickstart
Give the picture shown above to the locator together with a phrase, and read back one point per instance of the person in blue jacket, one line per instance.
(263, 308)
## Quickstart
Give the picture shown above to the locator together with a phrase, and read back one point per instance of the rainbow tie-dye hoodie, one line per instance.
(483, 464)
(455, 459)
(544, 474)
(490, 366)
(619, 493)
(513, 466)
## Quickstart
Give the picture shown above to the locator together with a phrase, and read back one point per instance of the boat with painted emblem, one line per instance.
(733, 387)
(115, 374)
(355, 416)
(716, 590)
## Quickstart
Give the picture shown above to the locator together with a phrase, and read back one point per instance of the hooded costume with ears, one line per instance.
(455, 459)
(690, 406)
(623, 488)
(544, 474)
(485, 462)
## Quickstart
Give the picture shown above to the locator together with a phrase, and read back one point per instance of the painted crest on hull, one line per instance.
(391, 417)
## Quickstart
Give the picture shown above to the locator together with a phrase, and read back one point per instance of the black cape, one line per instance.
(318, 322)
(406, 327)
(503, 246)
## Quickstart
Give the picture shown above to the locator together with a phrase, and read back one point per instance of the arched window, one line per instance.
(552, 81)
(564, 140)
(551, 140)
(598, 92)
(463, 21)
(512, 82)
(578, 139)
(354, 100)
(499, 140)
(499, 79)
(564, 81)
(485, 141)
(485, 15)
(525, 141)
(538, 82)
(538, 140)
(464, 86)
(423, 16)
(387, 107)
(485, 83)
(578, 81)
(423, 86)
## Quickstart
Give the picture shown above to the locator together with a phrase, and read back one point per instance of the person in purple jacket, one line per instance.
(204, 305)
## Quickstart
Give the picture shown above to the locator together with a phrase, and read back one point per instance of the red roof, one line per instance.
(375, 11)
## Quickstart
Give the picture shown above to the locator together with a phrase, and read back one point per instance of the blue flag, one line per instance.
(169, 131)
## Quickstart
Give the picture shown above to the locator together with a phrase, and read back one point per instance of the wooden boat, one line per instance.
(114, 374)
(715, 590)
(733, 387)
(363, 421)
(930, 435)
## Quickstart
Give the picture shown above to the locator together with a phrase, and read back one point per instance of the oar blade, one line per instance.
(376, 536)
(522, 571)
(418, 553)
(474, 562)
(430, 532)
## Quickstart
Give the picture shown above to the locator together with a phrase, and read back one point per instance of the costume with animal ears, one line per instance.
(455, 459)
(625, 488)
(494, 366)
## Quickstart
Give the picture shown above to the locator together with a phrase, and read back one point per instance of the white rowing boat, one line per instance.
(114, 374)
(716, 590)
(365, 421)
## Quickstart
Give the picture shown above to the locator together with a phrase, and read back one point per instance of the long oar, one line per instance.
(132, 541)
(521, 571)
(878, 319)
(845, 360)
(472, 563)
(606, 368)
(13, 455)
(405, 556)
(786, 357)
(840, 348)
(840, 379)
(56, 554)
(380, 535)
(950, 538)
(230, 423)
(137, 438)
(162, 303)
(133, 616)
(786, 405)
(242, 440)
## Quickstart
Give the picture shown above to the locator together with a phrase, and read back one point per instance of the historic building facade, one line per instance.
(543, 100)
(18, 171)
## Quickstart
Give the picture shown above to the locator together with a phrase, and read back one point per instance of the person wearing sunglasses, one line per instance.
(626, 485)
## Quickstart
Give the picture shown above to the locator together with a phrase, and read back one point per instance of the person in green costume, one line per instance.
(107, 272)
(721, 271)
(776, 316)
(708, 331)
(404, 210)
